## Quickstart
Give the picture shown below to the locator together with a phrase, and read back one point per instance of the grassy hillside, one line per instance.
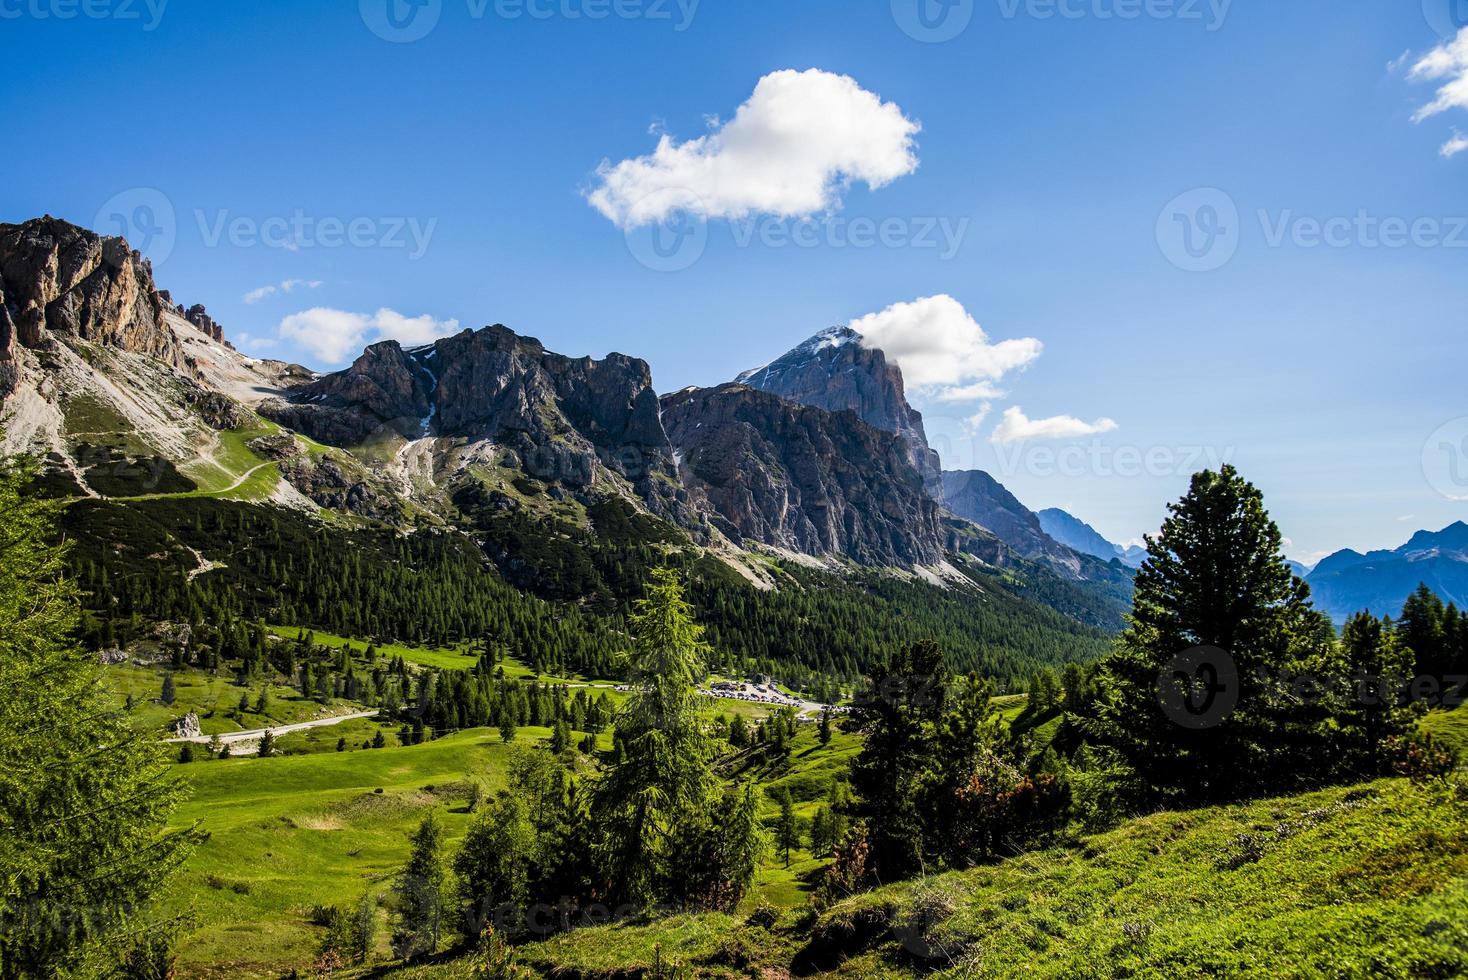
(1370, 881)
(290, 833)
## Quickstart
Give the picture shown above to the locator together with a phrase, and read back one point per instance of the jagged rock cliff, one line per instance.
(58, 281)
(493, 398)
(835, 371)
(802, 478)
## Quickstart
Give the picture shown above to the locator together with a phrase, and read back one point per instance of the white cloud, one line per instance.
(789, 151)
(255, 343)
(335, 335)
(1447, 63)
(1016, 427)
(1454, 146)
(942, 350)
(264, 292)
(979, 391)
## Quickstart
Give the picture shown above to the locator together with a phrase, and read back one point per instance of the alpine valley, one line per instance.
(213, 487)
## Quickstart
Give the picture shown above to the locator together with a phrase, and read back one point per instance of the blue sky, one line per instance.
(1064, 151)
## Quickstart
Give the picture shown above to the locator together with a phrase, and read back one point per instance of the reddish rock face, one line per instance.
(803, 478)
(58, 281)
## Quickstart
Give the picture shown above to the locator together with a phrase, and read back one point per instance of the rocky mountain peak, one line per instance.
(836, 371)
(58, 281)
(801, 478)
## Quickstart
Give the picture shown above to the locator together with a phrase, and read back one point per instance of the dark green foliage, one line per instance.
(935, 785)
(85, 798)
(1436, 636)
(644, 805)
(419, 891)
(787, 830)
(427, 587)
(435, 587)
(1215, 577)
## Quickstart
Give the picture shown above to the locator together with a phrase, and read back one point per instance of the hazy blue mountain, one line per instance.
(1380, 581)
(1075, 533)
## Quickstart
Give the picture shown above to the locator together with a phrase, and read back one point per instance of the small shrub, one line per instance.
(150, 957)
(1421, 759)
(764, 917)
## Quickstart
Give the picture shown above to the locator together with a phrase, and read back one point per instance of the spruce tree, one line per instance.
(420, 893)
(1215, 583)
(85, 797)
(663, 780)
(787, 831)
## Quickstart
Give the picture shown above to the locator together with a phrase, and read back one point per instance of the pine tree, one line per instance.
(898, 714)
(665, 779)
(492, 867)
(420, 893)
(1215, 577)
(787, 831)
(267, 744)
(168, 695)
(1368, 713)
(85, 797)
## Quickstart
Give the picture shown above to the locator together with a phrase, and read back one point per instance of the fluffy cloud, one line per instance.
(788, 151)
(1448, 64)
(335, 335)
(1015, 426)
(942, 350)
(264, 292)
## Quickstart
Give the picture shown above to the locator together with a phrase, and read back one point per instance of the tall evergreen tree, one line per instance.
(83, 797)
(898, 713)
(1369, 711)
(420, 893)
(664, 781)
(1215, 577)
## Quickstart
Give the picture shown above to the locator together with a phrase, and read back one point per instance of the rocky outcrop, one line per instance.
(386, 391)
(567, 422)
(835, 371)
(327, 483)
(801, 478)
(201, 319)
(61, 282)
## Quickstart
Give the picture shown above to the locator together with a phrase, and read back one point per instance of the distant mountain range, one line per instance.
(817, 456)
(1072, 531)
(1348, 582)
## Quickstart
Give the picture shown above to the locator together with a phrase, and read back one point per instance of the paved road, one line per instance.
(229, 738)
